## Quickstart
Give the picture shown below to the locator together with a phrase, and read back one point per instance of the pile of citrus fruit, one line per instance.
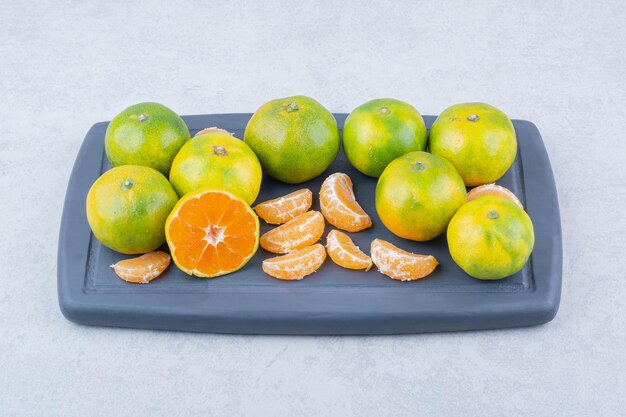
(197, 194)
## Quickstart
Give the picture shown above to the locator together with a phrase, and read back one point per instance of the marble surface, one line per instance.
(67, 64)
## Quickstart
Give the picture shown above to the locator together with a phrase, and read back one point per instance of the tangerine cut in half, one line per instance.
(494, 190)
(285, 208)
(211, 233)
(299, 232)
(339, 204)
(345, 253)
(142, 269)
(400, 264)
(296, 265)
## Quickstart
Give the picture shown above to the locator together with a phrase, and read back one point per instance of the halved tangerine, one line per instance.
(400, 264)
(296, 265)
(285, 208)
(211, 233)
(142, 269)
(495, 190)
(339, 204)
(299, 232)
(345, 253)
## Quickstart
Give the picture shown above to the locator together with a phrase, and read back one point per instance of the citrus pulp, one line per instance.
(339, 206)
(345, 253)
(211, 233)
(142, 269)
(295, 265)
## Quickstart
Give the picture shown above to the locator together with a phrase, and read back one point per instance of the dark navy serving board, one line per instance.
(331, 301)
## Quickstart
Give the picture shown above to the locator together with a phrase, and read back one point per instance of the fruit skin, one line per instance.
(127, 208)
(417, 195)
(490, 238)
(147, 134)
(219, 161)
(481, 149)
(381, 130)
(295, 138)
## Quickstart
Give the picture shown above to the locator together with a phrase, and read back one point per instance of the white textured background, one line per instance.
(67, 65)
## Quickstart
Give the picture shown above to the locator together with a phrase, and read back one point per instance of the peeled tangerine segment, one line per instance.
(300, 232)
(296, 265)
(339, 204)
(400, 264)
(213, 129)
(211, 233)
(494, 190)
(345, 253)
(142, 269)
(285, 208)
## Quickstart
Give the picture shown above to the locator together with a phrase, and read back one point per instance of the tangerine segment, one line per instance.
(296, 265)
(299, 232)
(339, 204)
(285, 208)
(495, 190)
(142, 269)
(345, 253)
(213, 129)
(400, 264)
(211, 233)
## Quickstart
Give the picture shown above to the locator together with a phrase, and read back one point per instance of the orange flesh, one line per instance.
(339, 205)
(345, 253)
(296, 265)
(495, 190)
(212, 233)
(285, 208)
(400, 264)
(297, 233)
(142, 269)
(211, 130)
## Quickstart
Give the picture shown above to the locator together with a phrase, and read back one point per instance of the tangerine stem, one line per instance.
(419, 167)
(220, 151)
(291, 107)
